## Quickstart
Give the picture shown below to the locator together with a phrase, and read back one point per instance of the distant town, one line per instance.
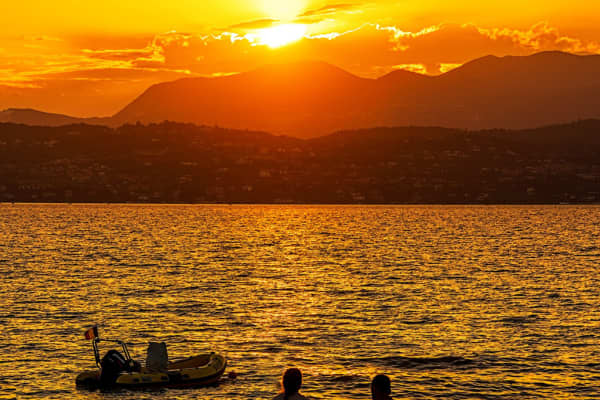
(184, 163)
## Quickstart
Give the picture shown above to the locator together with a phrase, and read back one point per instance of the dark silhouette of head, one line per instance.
(291, 382)
(381, 387)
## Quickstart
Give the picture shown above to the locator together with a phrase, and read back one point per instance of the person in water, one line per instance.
(381, 388)
(290, 385)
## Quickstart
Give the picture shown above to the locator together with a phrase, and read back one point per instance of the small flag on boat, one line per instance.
(92, 333)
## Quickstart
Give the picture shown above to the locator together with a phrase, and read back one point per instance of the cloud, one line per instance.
(88, 76)
(436, 49)
(59, 77)
(328, 11)
(445, 46)
(41, 38)
(252, 25)
(418, 68)
(119, 55)
(126, 74)
(542, 36)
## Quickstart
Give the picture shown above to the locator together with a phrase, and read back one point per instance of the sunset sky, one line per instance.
(90, 58)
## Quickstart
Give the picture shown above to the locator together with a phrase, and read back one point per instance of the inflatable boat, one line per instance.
(119, 370)
(200, 370)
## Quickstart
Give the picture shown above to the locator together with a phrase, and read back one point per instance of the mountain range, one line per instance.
(27, 116)
(308, 99)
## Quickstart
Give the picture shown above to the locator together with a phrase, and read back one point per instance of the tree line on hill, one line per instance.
(184, 163)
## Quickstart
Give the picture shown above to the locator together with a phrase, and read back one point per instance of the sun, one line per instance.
(278, 36)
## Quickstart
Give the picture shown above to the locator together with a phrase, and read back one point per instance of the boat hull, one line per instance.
(201, 370)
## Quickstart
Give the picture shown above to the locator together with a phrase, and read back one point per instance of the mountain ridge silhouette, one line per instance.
(308, 98)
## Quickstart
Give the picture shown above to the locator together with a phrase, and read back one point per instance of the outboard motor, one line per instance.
(112, 364)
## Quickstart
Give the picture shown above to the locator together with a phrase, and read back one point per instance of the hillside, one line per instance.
(39, 118)
(313, 99)
(182, 163)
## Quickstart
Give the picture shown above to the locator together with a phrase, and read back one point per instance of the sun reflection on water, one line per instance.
(454, 302)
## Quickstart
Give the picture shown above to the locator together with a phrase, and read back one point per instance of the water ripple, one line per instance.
(451, 302)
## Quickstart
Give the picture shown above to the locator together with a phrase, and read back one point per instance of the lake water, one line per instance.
(450, 302)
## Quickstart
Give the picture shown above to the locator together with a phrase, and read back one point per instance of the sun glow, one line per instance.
(278, 36)
(283, 10)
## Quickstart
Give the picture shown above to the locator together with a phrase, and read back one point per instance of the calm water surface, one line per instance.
(451, 302)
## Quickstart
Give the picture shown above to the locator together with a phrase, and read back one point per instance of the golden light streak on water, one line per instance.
(451, 302)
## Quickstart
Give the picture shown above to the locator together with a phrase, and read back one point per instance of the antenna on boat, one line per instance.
(92, 334)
